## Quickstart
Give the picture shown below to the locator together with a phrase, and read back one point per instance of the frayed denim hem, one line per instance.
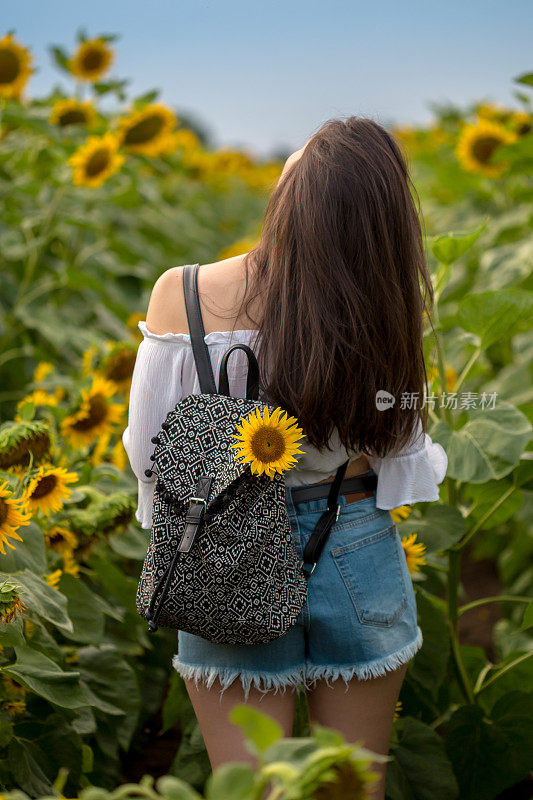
(372, 669)
(305, 676)
(263, 682)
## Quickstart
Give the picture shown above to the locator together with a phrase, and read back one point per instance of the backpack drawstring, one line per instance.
(153, 610)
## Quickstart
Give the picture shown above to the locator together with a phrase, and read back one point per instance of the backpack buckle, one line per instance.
(194, 515)
(306, 572)
(197, 500)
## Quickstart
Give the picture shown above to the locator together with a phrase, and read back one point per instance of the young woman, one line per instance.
(331, 302)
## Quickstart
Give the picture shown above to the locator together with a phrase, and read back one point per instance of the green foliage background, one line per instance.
(95, 692)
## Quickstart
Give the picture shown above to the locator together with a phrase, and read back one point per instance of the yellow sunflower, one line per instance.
(53, 578)
(494, 112)
(13, 515)
(263, 177)
(231, 161)
(267, 442)
(96, 160)
(91, 59)
(477, 143)
(413, 552)
(48, 490)
(96, 415)
(185, 139)
(60, 392)
(521, 122)
(15, 67)
(14, 708)
(402, 512)
(72, 112)
(450, 374)
(99, 452)
(88, 358)
(61, 539)
(407, 135)
(147, 131)
(118, 365)
(119, 456)
(42, 370)
(39, 398)
(132, 324)
(69, 564)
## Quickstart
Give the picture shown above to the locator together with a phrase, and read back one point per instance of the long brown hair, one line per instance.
(339, 268)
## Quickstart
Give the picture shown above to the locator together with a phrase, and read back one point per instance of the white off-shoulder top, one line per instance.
(165, 373)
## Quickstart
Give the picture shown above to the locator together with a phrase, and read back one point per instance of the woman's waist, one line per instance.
(356, 467)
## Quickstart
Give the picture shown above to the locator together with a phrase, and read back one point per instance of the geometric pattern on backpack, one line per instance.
(241, 582)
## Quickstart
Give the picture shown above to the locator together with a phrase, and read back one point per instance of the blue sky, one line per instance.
(267, 75)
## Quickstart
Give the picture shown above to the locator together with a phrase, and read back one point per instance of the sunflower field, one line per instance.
(95, 206)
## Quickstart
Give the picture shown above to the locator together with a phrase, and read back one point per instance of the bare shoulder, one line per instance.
(218, 288)
(166, 309)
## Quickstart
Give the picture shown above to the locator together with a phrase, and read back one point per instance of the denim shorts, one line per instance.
(360, 617)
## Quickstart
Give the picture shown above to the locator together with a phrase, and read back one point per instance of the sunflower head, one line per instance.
(147, 131)
(42, 370)
(477, 144)
(14, 708)
(61, 539)
(413, 552)
(185, 139)
(402, 512)
(14, 514)
(231, 161)
(494, 112)
(95, 416)
(15, 67)
(70, 565)
(345, 779)
(21, 442)
(118, 364)
(91, 60)
(38, 398)
(72, 112)
(106, 514)
(48, 489)
(132, 324)
(521, 123)
(96, 160)
(119, 457)
(198, 163)
(53, 578)
(268, 442)
(10, 603)
(115, 513)
(264, 176)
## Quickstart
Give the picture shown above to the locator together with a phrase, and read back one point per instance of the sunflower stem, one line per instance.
(454, 567)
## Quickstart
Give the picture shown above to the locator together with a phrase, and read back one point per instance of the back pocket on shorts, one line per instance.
(372, 573)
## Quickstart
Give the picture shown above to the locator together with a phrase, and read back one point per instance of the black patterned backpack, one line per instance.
(221, 561)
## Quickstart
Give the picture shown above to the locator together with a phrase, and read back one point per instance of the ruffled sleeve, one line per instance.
(412, 475)
(156, 387)
(164, 374)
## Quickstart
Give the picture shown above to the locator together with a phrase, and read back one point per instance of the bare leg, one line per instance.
(223, 739)
(364, 712)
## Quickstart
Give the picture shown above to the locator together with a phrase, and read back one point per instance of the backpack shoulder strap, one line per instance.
(196, 330)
